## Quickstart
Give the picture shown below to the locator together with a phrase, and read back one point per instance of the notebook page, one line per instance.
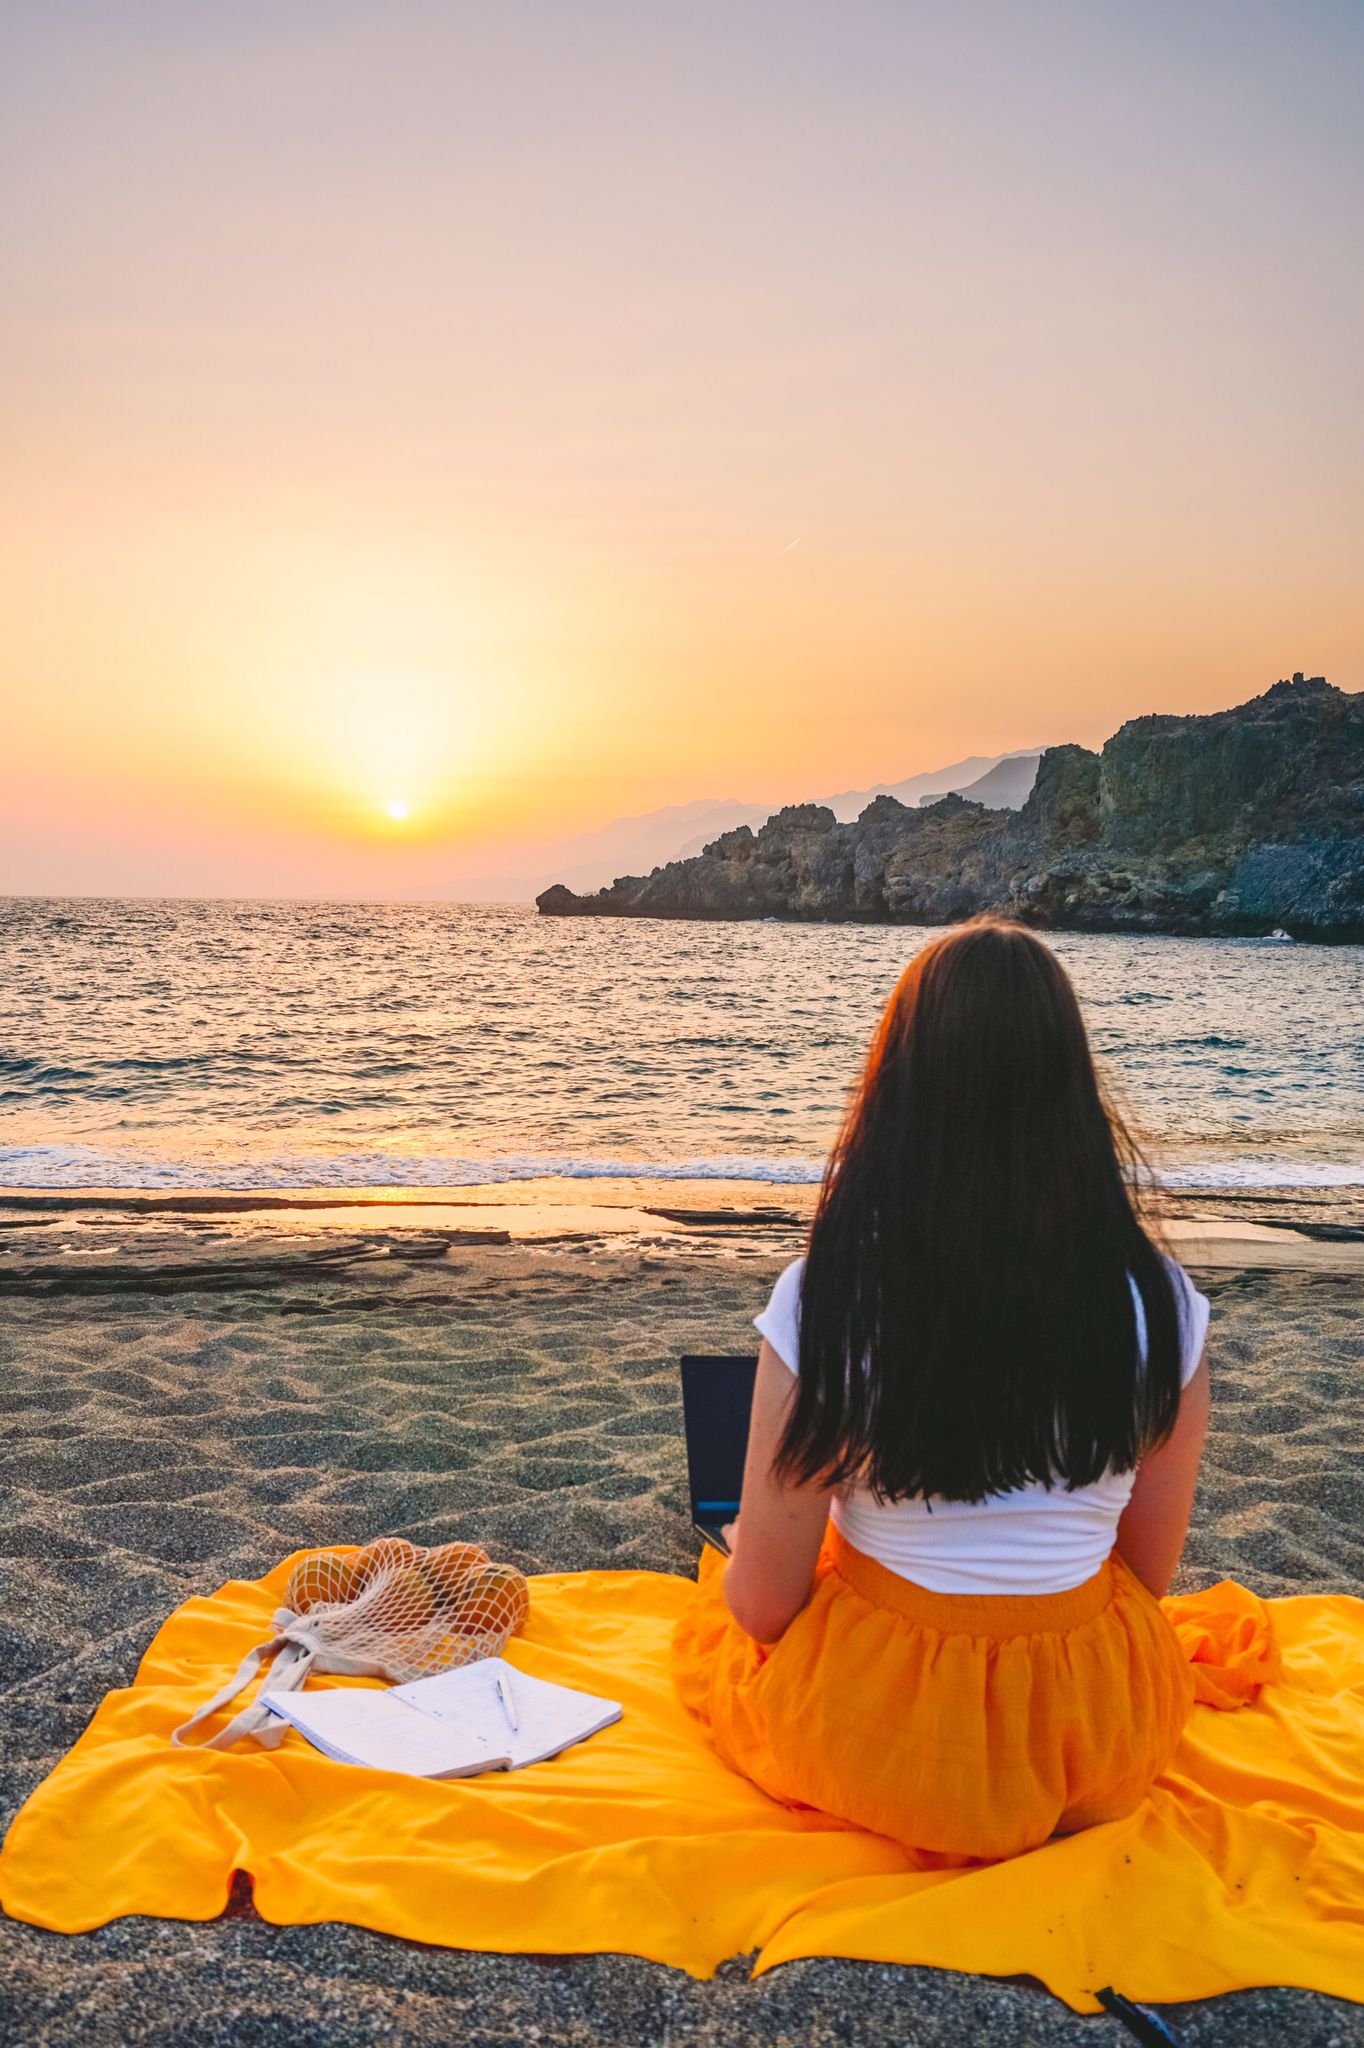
(551, 1717)
(356, 1725)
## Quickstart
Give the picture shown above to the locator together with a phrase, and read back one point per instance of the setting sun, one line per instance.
(397, 809)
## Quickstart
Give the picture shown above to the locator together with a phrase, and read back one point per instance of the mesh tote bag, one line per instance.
(391, 1610)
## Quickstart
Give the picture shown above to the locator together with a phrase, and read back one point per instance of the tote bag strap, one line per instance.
(293, 1652)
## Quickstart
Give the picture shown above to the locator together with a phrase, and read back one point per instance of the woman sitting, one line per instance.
(979, 1411)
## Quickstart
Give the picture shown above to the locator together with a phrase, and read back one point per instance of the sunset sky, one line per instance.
(526, 414)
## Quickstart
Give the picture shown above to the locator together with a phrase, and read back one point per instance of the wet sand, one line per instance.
(187, 1397)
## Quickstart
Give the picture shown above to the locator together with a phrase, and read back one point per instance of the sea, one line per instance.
(287, 1046)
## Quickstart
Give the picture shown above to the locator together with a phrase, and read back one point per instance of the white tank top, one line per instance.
(1033, 1540)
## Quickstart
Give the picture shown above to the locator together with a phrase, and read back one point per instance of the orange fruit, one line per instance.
(449, 1652)
(492, 1597)
(447, 1566)
(408, 1601)
(386, 1554)
(319, 1579)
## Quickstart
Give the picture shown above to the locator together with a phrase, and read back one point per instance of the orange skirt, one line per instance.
(963, 1727)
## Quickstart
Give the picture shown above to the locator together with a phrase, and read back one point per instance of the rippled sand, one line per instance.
(156, 1445)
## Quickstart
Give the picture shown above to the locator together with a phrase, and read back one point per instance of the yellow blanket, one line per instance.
(1245, 1865)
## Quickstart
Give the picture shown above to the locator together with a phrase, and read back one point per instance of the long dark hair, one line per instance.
(967, 1322)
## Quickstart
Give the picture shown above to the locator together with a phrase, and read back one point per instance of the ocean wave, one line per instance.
(86, 1167)
(82, 1166)
(1264, 1173)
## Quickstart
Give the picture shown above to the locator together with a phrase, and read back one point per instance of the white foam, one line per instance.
(82, 1166)
(1263, 1173)
(85, 1166)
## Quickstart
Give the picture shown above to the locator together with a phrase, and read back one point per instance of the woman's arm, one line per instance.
(1156, 1519)
(776, 1540)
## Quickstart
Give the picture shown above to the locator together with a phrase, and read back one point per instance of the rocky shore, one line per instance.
(1240, 823)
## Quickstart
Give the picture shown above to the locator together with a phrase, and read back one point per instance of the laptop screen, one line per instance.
(717, 1396)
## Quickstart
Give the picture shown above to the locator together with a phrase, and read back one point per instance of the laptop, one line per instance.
(717, 1396)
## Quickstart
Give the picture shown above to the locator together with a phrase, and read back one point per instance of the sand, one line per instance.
(189, 1402)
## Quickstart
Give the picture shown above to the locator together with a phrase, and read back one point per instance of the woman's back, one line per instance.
(976, 1426)
(976, 1246)
(1032, 1539)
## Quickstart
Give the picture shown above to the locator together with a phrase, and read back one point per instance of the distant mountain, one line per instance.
(653, 838)
(626, 846)
(956, 780)
(1248, 822)
(637, 845)
(999, 780)
(1005, 787)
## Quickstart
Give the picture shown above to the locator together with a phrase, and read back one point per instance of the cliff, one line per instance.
(1235, 823)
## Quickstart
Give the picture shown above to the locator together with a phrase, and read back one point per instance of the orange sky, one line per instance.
(539, 414)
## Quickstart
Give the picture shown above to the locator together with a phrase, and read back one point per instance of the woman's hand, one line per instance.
(768, 1579)
(730, 1532)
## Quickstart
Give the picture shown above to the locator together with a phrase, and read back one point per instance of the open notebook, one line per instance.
(450, 1726)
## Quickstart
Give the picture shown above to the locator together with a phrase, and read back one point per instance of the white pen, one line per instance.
(502, 1680)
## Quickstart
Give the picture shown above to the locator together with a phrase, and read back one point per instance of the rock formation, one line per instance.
(1235, 823)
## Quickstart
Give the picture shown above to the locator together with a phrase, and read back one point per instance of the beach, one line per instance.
(190, 1394)
(623, 621)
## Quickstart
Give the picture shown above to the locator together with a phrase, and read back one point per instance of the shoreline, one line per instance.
(56, 1240)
